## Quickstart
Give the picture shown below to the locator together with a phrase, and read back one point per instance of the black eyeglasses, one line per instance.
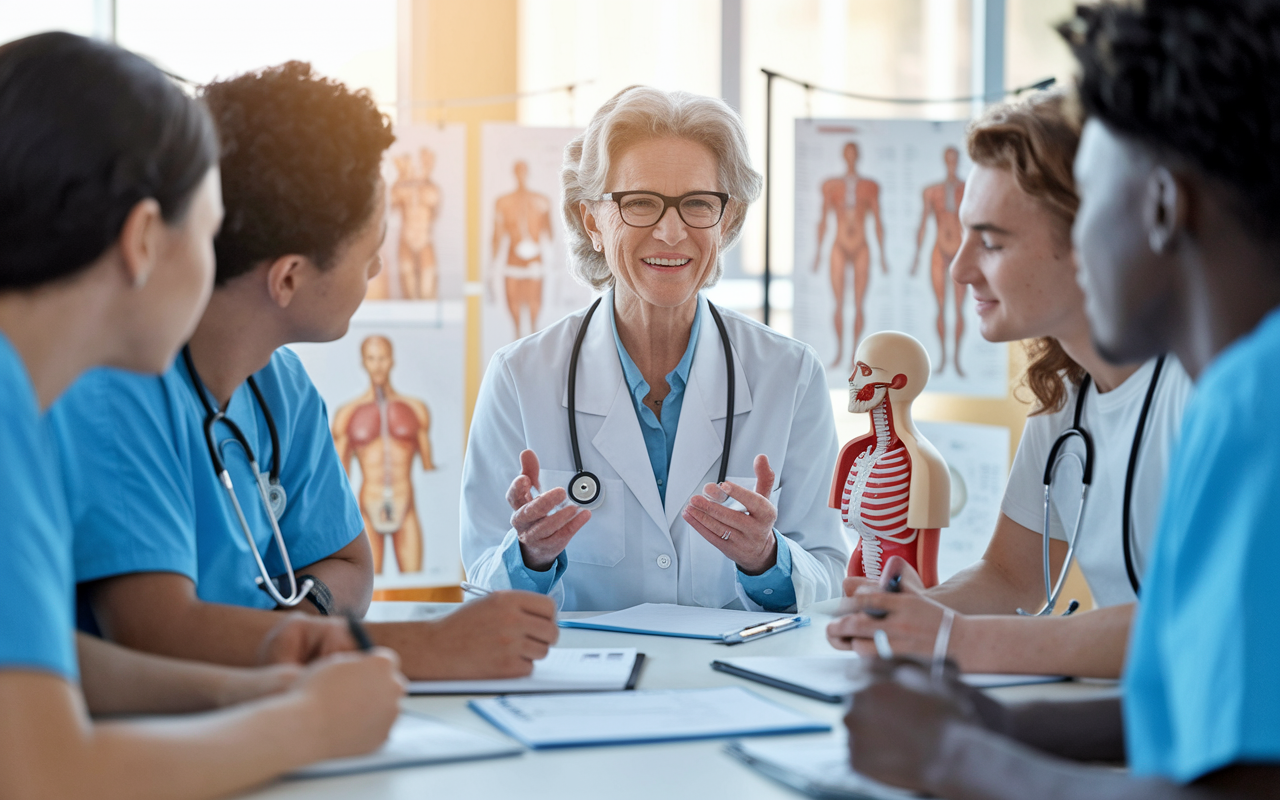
(644, 209)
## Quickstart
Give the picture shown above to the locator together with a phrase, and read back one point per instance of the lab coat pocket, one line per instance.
(603, 540)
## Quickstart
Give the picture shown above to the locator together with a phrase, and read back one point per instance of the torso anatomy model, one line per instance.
(892, 487)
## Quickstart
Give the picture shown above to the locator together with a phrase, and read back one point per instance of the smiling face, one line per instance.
(1130, 289)
(666, 264)
(1016, 254)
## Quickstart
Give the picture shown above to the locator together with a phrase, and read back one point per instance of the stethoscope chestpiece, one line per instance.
(585, 490)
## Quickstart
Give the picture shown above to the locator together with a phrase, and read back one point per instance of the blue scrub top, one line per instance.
(1202, 689)
(144, 496)
(37, 618)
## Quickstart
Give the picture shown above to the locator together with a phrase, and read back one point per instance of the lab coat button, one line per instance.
(664, 561)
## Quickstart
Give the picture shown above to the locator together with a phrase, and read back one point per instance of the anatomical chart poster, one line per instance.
(424, 257)
(527, 285)
(978, 458)
(393, 387)
(876, 227)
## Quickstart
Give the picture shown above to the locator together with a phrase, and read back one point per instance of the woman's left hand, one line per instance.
(746, 537)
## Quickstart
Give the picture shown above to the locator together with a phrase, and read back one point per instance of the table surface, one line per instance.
(696, 769)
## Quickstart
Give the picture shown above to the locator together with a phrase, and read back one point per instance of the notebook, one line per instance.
(578, 720)
(668, 619)
(414, 741)
(830, 678)
(818, 768)
(565, 669)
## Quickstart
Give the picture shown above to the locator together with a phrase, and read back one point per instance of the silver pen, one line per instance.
(478, 591)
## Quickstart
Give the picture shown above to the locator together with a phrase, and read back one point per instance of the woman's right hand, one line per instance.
(544, 531)
(353, 698)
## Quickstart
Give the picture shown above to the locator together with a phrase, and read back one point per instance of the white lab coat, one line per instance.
(633, 550)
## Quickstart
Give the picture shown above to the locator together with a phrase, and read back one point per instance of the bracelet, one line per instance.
(940, 645)
(320, 596)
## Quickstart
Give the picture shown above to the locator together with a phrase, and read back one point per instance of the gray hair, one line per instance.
(638, 114)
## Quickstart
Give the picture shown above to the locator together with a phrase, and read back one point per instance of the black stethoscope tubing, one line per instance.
(1077, 430)
(585, 487)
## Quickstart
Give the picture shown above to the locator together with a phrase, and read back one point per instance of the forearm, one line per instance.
(116, 680)
(983, 588)
(48, 748)
(1090, 644)
(192, 629)
(1079, 730)
(421, 657)
(974, 763)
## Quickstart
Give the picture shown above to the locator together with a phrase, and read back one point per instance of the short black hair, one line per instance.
(87, 131)
(1196, 80)
(301, 164)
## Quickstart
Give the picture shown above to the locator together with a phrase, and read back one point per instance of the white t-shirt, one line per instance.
(1111, 420)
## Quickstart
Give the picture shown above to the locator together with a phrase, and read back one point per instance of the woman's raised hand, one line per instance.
(746, 537)
(543, 526)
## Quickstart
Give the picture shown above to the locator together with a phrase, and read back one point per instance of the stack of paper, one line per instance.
(830, 678)
(572, 720)
(415, 741)
(565, 669)
(668, 619)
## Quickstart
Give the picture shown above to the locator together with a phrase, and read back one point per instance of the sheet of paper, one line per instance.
(841, 674)
(817, 767)
(568, 720)
(668, 619)
(565, 669)
(414, 741)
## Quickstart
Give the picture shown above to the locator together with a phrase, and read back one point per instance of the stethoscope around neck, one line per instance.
(1057, 455)
(270, 491)
(585, 488)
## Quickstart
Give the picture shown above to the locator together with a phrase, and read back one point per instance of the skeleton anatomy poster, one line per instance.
(876, 227)
(394, 390)
(527, 285)
(978, 459)
(425, 253)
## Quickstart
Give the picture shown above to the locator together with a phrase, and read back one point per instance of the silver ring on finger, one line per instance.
(725, 535)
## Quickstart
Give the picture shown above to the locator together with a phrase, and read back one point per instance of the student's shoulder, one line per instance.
(1242, 383)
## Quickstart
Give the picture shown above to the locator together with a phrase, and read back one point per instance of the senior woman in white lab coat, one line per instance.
(655, 190)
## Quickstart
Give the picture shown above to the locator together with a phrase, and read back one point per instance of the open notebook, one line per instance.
(565, 669)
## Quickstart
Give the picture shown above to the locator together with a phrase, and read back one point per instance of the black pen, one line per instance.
(359, 633)
(894, 586)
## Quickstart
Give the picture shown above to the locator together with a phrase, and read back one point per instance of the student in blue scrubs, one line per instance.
(161, 555)
(1179, 179)
(109, 199)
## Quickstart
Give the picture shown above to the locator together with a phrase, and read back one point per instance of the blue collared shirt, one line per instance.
(659, 436)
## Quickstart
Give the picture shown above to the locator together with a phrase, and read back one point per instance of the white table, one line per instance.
(698, 769)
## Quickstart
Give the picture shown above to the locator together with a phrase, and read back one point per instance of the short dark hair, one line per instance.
(1199, 81)
(301, 164)
(87, 131)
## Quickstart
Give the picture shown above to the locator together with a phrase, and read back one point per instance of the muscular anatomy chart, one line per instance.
(882, 197)
(416, 198)
(424, 256)
(385, 431)
(851, 199)
(941, 202)
(525, 273)
(522, 232)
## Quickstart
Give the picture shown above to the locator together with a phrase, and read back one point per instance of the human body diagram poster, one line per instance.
(978, 458)
(393, 387)
(876, 227)
(527, 285)
(424, 257)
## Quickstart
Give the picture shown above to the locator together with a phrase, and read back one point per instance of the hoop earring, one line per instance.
(1158, 240)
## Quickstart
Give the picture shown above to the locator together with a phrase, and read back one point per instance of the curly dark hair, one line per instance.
(301, 164)
(1199, 81)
